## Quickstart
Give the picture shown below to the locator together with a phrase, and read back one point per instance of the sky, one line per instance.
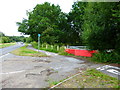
(12, 11)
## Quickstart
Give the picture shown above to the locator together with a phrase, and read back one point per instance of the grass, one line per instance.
(97, 57)
(111, 57)
(91, 79)
(60, 51)
(3, 45)
(23, 51)
(52, 83)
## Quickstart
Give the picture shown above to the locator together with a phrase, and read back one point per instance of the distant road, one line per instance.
(6, 50)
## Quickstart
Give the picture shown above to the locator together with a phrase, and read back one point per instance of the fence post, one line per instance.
(46, 46)
(57, 48)
(52, 46)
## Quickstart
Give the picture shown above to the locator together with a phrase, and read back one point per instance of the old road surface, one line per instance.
(38, 72)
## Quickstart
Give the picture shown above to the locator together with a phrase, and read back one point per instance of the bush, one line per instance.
(4, 39)
(112, 57)
(35, 44)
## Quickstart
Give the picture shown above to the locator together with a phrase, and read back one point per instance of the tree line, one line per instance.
(94, 24)
(9, 39)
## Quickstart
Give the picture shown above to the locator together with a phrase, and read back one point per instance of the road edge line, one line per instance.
(4, 55)
(66, 80)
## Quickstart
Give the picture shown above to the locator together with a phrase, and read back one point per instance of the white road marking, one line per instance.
(66, 80)
(13, 72)
(4, 55)
(113, 71)
(106, 67)
(1, 57)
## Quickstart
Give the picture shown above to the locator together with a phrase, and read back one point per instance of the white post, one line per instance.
(57, 48)
(46, 46)
(52, 46)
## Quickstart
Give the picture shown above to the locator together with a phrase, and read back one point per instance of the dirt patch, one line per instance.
(48, 72)
(45, 72)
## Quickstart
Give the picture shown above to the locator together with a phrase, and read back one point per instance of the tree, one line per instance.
(28, 40)
(23, 27)
(44, 19)
(99, 30)
(116, 24)
(4, 39)
(75, 21)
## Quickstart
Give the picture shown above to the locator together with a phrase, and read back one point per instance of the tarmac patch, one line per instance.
(110, 70)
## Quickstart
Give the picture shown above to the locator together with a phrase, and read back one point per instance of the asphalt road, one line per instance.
(38, 72)
(6, 50)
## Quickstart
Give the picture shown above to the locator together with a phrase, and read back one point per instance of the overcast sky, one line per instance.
(12, 11)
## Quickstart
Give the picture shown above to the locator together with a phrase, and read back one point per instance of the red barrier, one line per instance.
(77, 52)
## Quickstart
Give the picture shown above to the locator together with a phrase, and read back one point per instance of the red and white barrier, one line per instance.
(77, 52)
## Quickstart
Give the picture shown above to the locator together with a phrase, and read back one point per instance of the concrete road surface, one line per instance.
(4, 52)
(39, 72)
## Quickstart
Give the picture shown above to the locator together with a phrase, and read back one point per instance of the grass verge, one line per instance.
(23, 51)
(91, 79)
(107, 58)
(3, 45)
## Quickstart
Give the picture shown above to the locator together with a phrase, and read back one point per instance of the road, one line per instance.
(6, 50)
(39, 72)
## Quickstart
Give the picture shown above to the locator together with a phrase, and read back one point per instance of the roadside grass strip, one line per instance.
(3, 45)
(23, 51)
(89, 79)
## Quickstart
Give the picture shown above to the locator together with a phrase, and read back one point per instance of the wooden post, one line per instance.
(52, 46)
(46, 46)
(57, 48)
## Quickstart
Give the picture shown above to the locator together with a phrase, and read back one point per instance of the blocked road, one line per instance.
(39, 72)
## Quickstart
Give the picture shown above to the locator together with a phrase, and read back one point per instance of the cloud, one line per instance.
(13, 11)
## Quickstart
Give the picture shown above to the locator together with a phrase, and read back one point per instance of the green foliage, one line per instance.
(34, 44)
(8, 39)
(99, 28)
(94, 73)
(111, 57)
(4, 39)
(95, 24)
(51, 48)
(75, 22)
(28, 39)
(44, 19)
(17, 38)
